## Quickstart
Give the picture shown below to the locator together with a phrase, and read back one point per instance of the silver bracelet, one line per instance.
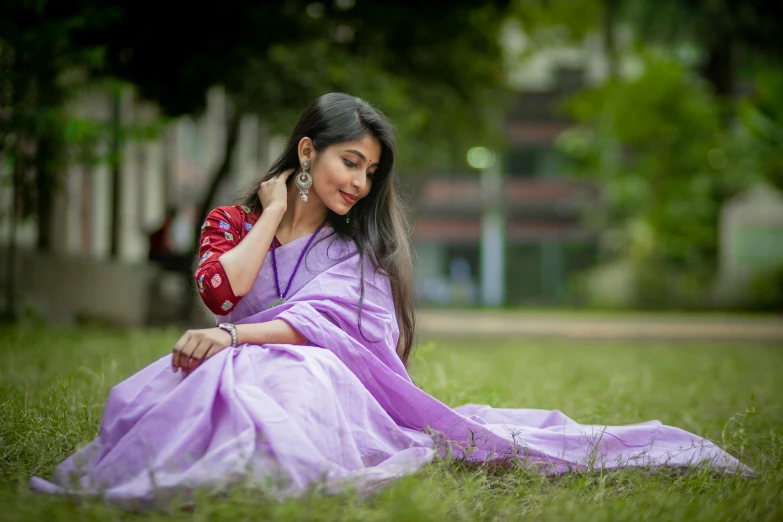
(231, 329)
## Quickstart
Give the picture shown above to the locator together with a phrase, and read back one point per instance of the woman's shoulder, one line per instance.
(231, 211)
(235, 215)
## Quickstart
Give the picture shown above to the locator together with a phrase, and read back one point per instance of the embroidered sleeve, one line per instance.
(220, 232)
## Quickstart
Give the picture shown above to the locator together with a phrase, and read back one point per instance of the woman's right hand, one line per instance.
(274, 192)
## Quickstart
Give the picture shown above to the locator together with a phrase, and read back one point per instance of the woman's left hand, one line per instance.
(196, 346)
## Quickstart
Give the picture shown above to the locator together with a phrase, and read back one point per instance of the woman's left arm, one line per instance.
(196, 346)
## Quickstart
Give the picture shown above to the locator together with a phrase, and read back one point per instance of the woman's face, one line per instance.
(343, 172)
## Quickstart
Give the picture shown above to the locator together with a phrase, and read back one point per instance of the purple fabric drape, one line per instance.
(341, 412)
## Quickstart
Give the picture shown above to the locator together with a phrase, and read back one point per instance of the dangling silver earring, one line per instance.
(348, 217)
(304, 180)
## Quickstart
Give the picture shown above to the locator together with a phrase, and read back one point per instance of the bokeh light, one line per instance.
(480, 157)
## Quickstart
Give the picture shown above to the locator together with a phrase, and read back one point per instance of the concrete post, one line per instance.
(493, 244)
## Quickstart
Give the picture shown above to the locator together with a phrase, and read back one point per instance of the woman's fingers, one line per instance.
(176, 353)
(184, 349)
(205, 349)
(196, 353)
(274, 190)
(282, 177)
(208, 349)
(196, 346)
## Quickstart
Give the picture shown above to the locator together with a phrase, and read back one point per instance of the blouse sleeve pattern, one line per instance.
(222, 230)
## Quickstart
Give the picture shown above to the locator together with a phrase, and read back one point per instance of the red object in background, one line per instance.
(160, 240)
(222, 230)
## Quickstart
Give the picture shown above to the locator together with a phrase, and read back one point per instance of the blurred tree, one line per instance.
(435, 69)
(690, 144)
(726, 32)
(36, 49)
(674, 167)
(761, 131)
(441, 83)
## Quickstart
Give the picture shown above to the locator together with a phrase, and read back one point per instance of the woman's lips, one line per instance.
(348, 198)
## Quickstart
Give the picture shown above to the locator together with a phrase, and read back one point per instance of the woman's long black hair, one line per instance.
(379, 224)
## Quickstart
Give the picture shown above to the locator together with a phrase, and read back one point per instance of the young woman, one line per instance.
(303, 383)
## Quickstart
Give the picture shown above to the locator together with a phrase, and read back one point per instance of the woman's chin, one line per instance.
(340, 210)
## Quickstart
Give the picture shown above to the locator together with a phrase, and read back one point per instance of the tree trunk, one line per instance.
(719, 69)
(45, 162)
(116, 178)
(610, 47)
(232, 137)
(9, 313)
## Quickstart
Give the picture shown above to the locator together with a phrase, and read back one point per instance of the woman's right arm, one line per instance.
(243, 262)
(227, 269)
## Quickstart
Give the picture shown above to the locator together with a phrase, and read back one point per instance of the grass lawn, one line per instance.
(53, 384)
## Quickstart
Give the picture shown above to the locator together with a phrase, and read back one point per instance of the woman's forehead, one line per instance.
(368, 147)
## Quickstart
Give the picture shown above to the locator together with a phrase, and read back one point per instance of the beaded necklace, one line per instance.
(281, 296)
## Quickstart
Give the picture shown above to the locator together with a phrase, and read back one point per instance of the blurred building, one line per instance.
(551, 221)
(81, 276)
(547, 240)
(544, 212)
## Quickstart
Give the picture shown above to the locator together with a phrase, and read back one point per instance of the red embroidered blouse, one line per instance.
(223, 229)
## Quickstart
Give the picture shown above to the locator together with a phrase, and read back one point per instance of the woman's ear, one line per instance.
(306, 150)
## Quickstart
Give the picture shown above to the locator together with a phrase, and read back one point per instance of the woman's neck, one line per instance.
(301, 218)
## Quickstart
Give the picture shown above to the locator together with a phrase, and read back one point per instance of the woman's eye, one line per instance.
(349, 163)
(371, 175)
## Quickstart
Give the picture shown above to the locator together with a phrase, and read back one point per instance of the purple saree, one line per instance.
(339, 413)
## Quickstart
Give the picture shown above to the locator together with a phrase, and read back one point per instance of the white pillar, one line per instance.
(276, 148)
(247, 155)
(141, 169)
(213, 125)
(493, 245)
(101, 209)
(74, 185)
(264, 158)
(131, 243)
(60, 222)
(128, 227)
(154, 185)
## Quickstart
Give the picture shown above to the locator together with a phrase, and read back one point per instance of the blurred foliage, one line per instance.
(766, 290)
(698, 124)
(441, 83)
(730, 39)
(37, 50)
(434, 125)
(725, 37)
(752, 25)
(551, 22)
(702, 121)
(658, 146)
(761, 126)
